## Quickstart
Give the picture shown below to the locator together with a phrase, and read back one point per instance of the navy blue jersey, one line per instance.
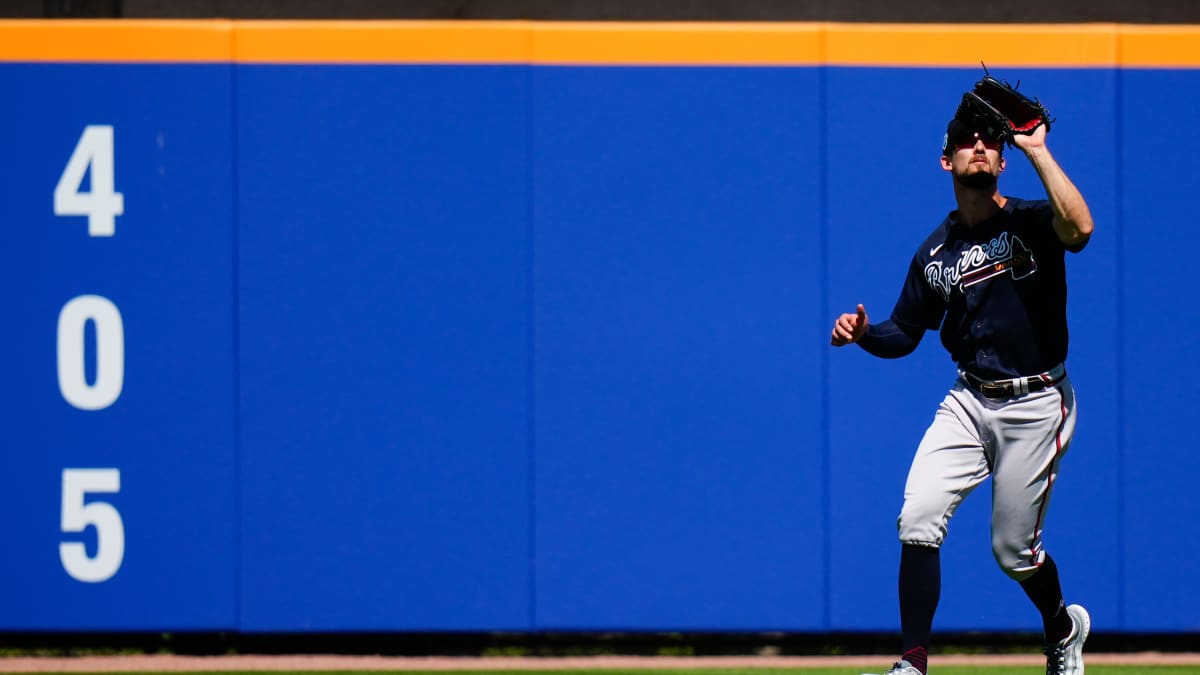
(997, 289)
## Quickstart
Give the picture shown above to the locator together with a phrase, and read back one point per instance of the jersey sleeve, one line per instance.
(918, 309)
(887, 340)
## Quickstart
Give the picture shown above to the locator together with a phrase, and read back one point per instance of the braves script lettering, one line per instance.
(945, 279)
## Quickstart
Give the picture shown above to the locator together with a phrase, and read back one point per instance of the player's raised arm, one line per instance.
(1072, 217)
(849, 328)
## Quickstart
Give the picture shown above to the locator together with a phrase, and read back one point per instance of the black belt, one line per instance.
(1016, 386)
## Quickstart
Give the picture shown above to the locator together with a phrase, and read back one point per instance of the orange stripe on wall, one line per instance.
(116, 41)
(597, 43)
(1160, 46)
(601, 43)
(941, 45)
(502, 42)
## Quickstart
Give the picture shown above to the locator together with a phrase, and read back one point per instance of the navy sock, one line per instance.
(1045, 590)
(920, 590)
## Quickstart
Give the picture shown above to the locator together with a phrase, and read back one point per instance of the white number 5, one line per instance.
(103, 204)
(77, 515)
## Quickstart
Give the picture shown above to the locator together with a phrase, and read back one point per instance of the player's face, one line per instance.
(975, 161)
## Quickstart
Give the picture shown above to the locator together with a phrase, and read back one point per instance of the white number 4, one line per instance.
(77, 515)
(103, 204)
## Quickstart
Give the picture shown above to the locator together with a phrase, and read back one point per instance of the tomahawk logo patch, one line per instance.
(980, 263)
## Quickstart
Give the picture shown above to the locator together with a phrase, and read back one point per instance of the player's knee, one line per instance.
(922, 522)
(1015, 559)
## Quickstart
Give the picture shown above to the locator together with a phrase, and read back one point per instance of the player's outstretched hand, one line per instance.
(849, 328)
(1032, 141)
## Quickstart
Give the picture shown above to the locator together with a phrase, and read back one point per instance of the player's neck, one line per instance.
(976, 206)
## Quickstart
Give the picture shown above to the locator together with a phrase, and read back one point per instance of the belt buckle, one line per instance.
(995, 389)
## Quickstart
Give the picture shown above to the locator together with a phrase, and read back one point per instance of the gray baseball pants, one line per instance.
(1018, 441)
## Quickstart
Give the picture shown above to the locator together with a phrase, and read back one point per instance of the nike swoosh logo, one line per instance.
(933, 251)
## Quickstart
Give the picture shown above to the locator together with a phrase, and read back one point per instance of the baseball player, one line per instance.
(992, 276)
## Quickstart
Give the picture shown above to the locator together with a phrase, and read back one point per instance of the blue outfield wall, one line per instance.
(514, 348)
(677, 419)
(1156, 393)
(168, 270)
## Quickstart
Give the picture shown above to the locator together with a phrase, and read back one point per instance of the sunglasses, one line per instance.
(968, 142)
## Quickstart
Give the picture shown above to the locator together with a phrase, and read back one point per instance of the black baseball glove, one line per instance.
(997, 109)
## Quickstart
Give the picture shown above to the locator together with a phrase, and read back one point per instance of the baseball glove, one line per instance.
(999, 110)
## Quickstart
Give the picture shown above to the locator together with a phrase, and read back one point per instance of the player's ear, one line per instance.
(1002, 164)
(946, 164)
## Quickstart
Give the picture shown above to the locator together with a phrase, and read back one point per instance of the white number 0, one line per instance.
(110, 352)
(78, 514)
(103, 204)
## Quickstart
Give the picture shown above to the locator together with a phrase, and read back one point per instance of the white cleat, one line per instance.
(1066, 656)
(901, 668)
